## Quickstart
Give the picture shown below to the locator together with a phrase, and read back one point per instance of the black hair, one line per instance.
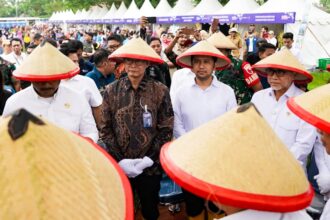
(265, 27)
(153, 39)
(90, 34)
(288, 35)
(100, 55)
(51, 41)
(260, 42)
(15, 39)
(37, 36)
(263, 47)
(32, 46)
(117, 38)
(76, 45)
(66, 50)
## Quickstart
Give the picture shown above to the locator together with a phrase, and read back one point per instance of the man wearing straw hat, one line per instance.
(137, 119)
(238, 74)
(282, 70)
(47, 97)
(313, 107)
(48, 172)
(232, 162)
(200, 100)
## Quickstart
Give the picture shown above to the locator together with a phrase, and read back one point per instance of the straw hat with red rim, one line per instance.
(136, 48)
(313, 107)
(257, 172)
(220, 41)
(46, 63)
(284, 60)
(203, 48)
(50, 173)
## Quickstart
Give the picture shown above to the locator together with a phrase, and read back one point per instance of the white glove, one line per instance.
(129, 167)
(146, 162)
(323, 180)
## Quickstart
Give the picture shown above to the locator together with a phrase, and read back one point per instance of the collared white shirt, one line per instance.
(66, 109)
(326, 211)
(194, 106)
(250, 214)
(17, 60)
(85, 86)
(295, 133)
(179, 78)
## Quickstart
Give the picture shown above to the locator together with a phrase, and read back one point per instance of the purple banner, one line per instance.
(260, 18)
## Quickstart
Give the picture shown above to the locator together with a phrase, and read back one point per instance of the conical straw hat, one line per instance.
(203, 48)
(284, 60)
(238, 160)
(220, 41)
(50, 173)
(46, 63)
(136, 48)
(313, 107)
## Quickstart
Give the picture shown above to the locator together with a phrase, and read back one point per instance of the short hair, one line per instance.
(76, 45)
(66, 50)
(15, 39)
(117, 38)
(32, 46)
(260, 42)
(265, 27)
(100, 55)
(288, 35)
(90, 34)
(263, 47)
(37, 36)
(153, 39)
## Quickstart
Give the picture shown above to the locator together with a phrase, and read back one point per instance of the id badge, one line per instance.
(147, 120)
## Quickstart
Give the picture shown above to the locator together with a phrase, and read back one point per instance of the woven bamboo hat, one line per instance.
(313, 107)
(203, 48)
(50, 173)
(238, 160)
(136, 48)
(220, 41)
(46, 63)
(284, 60)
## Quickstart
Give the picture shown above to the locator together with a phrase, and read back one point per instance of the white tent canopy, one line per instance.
(182, 7)
(163, 8)
(147, 9)
(132, 11)
(121, 11)
(239, 7)
(206, 7)
(111, 12)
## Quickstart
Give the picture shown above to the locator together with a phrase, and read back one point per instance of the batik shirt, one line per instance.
(122, 129)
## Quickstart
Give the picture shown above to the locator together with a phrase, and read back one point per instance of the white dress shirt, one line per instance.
(179, 78)
(85, 86)
(263, 215)
(295, 133)
(326, 211)
(66, 109)
(17, 60)
(194, 106)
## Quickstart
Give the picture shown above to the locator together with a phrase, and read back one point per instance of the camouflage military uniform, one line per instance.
(240, 78)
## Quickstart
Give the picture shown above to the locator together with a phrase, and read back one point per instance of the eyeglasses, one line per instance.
(277, 72)
(136, 62)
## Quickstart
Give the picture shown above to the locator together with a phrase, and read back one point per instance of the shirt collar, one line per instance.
(214, 83)
(288, 94)
(142, 85)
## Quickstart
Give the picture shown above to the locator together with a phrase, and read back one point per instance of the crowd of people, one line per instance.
(117, 89)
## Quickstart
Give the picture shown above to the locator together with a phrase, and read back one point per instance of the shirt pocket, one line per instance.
(288, 127)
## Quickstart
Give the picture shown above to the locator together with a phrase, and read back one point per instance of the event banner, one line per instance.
(260, 18)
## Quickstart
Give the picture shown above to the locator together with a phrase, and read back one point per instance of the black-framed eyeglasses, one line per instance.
(277, 72)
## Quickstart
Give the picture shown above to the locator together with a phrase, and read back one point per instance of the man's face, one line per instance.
(88, 38)
(135, 68)
(279, 80)
(7, 48)
(37, 42)
(17, 47)
(74, 58)
(156, 46)
(182, 40)
(287, 42)
(251, 29)
(113, 45)
(46, 89)
(79, 53)
(203, 67)
(267, 53)
(325, 138)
